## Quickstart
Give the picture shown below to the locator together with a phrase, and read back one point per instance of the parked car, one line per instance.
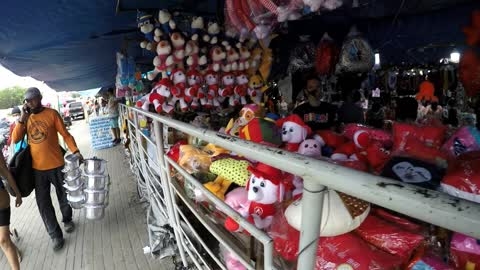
(74, 110)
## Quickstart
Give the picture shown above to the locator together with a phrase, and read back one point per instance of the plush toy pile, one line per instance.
(201, 67)
(362, 234)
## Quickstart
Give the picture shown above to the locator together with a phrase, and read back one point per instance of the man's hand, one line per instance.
(18, 200)
(24, 114)
(80, 157)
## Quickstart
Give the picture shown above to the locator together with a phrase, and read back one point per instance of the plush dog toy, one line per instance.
(232, 57)
(195, 91)
(163, 61)
(241, 88)
(179, 86)
(247, 114)
(228, 82)
(191, 52)
(147, 27)
(211, 78)
(256, 88)
(197, 28)
(163, 88)
(217, 55)
(294, 131)
(166, 21)
(178, 43)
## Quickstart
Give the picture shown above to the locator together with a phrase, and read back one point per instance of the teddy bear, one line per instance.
(178, 43)
(166, 21)
(160, 95)
(195, 91)
(163, 61)
(211, 78)
(228, 81)
(310, 148)
(191, 52)
(241, 87)
(255, 88)
(213, 30)
(178, 90)
(217, 55)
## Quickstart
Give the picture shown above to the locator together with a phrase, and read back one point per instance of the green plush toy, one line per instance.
(232, 169)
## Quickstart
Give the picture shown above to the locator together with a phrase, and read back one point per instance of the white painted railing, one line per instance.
(430, 206)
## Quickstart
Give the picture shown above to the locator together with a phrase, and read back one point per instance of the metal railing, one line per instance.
(430, 206)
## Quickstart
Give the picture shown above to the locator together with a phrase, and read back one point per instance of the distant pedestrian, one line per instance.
(113, 114)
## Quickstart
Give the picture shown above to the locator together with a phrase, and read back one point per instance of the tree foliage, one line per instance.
(12, 96)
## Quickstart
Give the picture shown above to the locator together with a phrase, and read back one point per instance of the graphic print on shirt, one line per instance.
(37, 132)
(313, 117)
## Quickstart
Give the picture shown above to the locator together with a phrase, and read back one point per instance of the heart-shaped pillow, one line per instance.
(414, 171)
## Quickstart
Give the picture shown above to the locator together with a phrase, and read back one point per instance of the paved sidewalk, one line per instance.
(116, 242)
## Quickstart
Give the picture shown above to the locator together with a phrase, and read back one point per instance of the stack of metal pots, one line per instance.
(73, 181)
(96, 182)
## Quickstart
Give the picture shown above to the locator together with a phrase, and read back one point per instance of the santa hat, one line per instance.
(295, 119)
(361, 139)
(211, 72)
(177, 70)
(163, 82)
(265, 171)
(225, 74)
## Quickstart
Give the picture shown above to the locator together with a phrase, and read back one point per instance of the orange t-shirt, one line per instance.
(43, 139)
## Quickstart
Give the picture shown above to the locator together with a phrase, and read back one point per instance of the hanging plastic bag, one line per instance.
(356, 55)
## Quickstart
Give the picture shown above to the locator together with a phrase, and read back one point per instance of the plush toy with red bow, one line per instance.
(211, 78)
(241, 88)
(217, 55)
(243, 62)
(195, 91)
(228, 82)
(232, 60)
(192, 54)
(163, 61)
(178, 43)
(294, 131)
(179, 86)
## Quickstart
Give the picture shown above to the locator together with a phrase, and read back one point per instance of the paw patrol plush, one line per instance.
(163, 61)
(241, 88)
(211, 78)
(217, 55)
(166, 21)
(197, 28)
(195, 91)
(256, 88)
(247, 114)
(179, 86)
(162, 90)
(294, 131)
(146, 25)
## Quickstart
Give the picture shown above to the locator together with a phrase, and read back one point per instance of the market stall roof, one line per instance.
(71, 45)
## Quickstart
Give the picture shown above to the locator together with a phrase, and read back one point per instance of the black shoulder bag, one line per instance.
(20, 167)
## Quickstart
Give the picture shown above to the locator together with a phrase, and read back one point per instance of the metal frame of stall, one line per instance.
(430, 206)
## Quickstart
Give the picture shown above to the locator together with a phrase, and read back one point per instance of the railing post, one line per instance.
(312, 205)
(167, 191)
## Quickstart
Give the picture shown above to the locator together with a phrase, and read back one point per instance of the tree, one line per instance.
(12, 96)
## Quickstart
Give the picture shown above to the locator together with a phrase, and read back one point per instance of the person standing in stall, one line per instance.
(8, 247)
(112, 108)
(316, 113)
(42, 126)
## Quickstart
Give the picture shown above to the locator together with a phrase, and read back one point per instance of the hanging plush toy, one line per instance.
(213, 31)
(327, 55)
(161, 92)
(163, 61)
(427, 91)
(197, 28)
(255, 59)
(195, 91)
(178, 43)
(243, 63)
(294, 131)
(217, 55)
(356, 55)
(315, 5)
(193, 59)
(211, 78)
(228, 82)
(241, 88)
(179, 86)
(146, 25)
(256, 88)
(166, 21)
(232, 57)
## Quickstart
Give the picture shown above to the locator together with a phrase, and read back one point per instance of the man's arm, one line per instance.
(69, 140)
(19, 132)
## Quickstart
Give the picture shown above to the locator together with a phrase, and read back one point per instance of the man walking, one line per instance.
(41, 126)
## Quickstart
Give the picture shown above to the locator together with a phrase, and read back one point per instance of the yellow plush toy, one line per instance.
(256, 87)
(218, 187)
(194, 160)
(214, 150)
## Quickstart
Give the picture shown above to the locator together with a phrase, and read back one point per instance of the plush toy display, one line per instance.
(166, 21)
(163, 61)
(163, 89)
(195, 92)
(341, 213)
(197, 28)
(262, 131)
(241, 87)
(211, 78)
(213, 31)
(178, 43)
(294, 131)
(256, 88)
(228, 82)
(231, 169)
(247, 114)
(265, 190)
(179, 86)
(193, 160)
(192, 53)
(147, 27)
(243, 63)
(232, 57)
(217, 55)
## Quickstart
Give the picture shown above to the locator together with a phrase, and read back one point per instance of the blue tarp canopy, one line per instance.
(71, 45)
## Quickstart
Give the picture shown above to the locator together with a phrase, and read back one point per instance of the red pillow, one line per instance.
(389, 237)
(429, 135)
(399, 221)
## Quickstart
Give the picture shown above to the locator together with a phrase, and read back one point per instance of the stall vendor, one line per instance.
(316, 113)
